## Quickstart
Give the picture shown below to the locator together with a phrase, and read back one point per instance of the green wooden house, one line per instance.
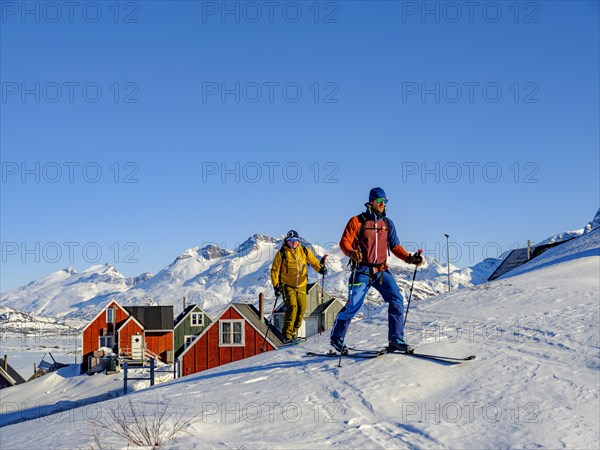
(190, 323)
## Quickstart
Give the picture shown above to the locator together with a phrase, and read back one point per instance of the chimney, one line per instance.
(184, 305)
(528, 249)
(261, 307)
(5, 363)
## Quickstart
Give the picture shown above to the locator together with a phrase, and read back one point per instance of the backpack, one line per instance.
(362, 218)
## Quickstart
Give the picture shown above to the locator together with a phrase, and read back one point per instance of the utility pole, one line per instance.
(448, 257)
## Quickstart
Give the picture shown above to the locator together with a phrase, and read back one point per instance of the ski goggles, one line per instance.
(381, 200)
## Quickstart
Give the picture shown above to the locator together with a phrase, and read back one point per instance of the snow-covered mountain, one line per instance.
(14, 321)
(591, 225)
(212, 277)
(67, 292)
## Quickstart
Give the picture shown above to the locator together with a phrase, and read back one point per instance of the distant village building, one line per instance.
(130, 332)
(45, 367)
(238, 333)
(188, 325)
(151, 331)
(193, 339)
(520, 256)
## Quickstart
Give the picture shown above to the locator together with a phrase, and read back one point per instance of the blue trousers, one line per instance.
(385, 284)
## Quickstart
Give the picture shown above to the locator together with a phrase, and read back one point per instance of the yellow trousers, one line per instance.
(295, 307)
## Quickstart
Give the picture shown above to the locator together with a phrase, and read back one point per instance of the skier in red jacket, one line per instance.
(366, 240)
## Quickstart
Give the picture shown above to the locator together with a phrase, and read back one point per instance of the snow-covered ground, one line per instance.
(65, 389)
(535, 382)
(54, 392)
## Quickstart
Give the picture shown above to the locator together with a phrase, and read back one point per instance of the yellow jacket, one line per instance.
(293, 270)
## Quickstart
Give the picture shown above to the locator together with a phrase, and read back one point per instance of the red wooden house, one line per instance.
(236, 334)
(102, 330)
(148, 331)
(134, 332)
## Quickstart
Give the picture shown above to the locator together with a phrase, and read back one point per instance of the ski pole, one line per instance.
(351, 282)
(268, 327)
(322, 324)
(411, 289)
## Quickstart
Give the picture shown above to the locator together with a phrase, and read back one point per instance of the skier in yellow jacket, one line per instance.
(289, 278)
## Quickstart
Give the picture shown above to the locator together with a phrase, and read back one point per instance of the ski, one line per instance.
(361, 354)
(440, 358)
(412, 353)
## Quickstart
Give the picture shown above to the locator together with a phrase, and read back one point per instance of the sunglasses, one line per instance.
(381, 200)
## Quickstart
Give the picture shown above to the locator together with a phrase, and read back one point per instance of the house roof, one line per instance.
(50, 366)
(11, 375)
(187, 311)
(251, 314)
(514, 259)
(323, 307)
(130, 319)
(153, 317)
(518, 257)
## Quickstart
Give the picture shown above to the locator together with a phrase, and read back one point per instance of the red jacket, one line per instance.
(378, 234)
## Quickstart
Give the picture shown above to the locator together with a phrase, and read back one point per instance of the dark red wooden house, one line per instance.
(236, 334)
(152, 328)
(102, 330)
(136, 332)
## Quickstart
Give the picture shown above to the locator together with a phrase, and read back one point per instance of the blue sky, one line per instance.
(132, 131)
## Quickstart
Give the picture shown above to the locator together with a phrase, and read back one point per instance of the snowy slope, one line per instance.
(534, 383)
(57, 391)
(66, 389)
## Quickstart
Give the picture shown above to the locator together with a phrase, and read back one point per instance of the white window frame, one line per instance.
(231, 333)
(113, 311)
(201, 321)
(188, 339)
(107, 337)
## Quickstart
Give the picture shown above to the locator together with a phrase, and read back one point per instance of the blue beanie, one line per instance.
(292, 235)
(376, 193)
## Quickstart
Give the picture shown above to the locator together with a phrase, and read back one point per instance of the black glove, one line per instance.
(356, 256)
(278, 290)
(323, 270)
(415, 258)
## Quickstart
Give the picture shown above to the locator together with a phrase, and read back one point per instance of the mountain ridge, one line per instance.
(213, 277)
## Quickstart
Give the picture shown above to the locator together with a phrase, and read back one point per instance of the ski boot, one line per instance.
(398, 345)
(339, 345)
